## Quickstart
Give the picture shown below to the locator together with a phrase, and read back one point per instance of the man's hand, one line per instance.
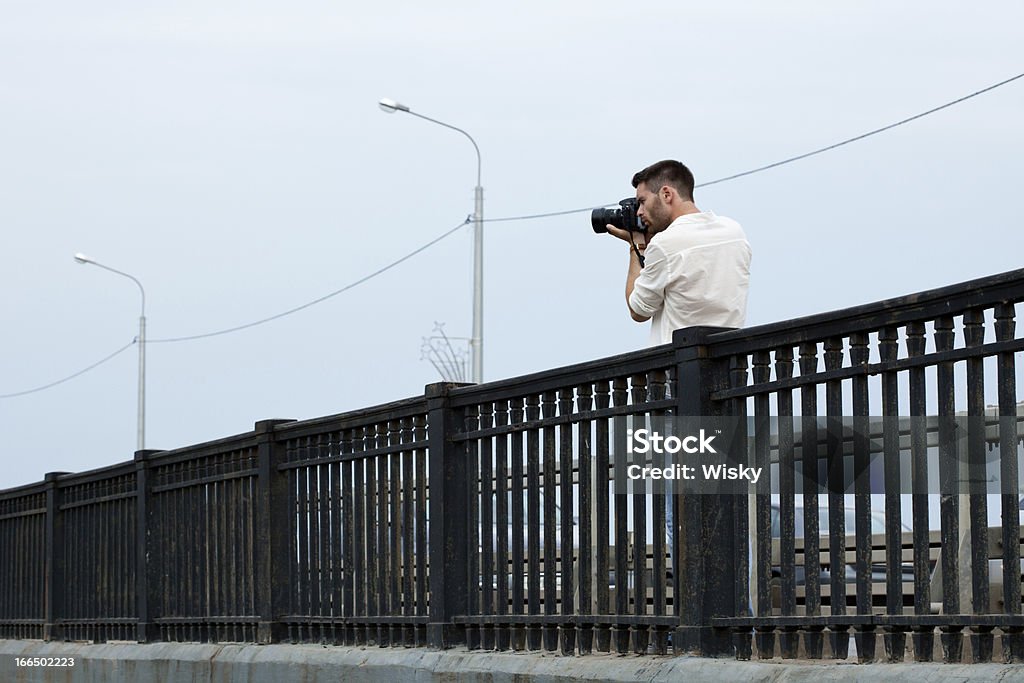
(639, 238)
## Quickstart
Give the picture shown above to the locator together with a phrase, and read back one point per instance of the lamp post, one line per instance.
(82, 258)
(476, 342)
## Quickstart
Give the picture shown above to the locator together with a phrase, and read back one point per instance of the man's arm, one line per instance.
(634, 264)
(632, 274)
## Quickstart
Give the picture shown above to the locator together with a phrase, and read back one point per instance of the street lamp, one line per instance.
(82, 258)
(476, 343)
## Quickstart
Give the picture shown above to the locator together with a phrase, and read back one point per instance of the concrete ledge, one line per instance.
(196, 663)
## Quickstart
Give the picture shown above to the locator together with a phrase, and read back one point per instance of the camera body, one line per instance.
(623, 217)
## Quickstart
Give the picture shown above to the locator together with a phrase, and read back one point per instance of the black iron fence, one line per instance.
(486, 515)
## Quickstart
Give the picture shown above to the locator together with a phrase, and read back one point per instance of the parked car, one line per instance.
(996, 604)
(878, 568)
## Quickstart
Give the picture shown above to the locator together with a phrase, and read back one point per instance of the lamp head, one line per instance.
(82, 258)
(390, 106)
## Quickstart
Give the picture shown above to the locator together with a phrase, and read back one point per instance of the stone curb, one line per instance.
(236, 663)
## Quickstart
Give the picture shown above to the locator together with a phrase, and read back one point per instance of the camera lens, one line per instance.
(599, 218)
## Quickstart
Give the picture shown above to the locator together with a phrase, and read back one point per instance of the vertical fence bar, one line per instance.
(210, 542)
(839, 636)
(924, 640)
(708, 545)
(319, 514)
(271, 530)
(488, 529)
(52, 588)
(301, 476)
(656, 392)
(408, 533)
(218, 549)
(194, 547)
(373, 580)
(169, 520)
(349, 499)
(472, 496)
(810, 463)
(949, 499)
(421, 454)
(362, 510)
(895, 637)
(534, 632)
(102, 565)
(502, 525)
(395, 529)
(1013, 638)
(147, 570)
(602, 526)
(236, 544)
(765, 637)
(382, 556)
(974, 336)
(741, 514)
(789, 638)
(865, 635)
(517, 492)
(448, 527)
(638, 386)
(550, 629)
(336, 540)
(585, 630)
(620, 631)
(566, 629)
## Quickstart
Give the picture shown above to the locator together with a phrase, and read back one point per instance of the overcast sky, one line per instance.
(232, 157)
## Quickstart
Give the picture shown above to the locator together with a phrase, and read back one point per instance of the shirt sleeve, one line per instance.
(649, 289)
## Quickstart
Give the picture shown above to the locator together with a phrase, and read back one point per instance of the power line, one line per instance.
(315, 301)
(247, 325)
(77, 374)
(864, 135)
(784, 161)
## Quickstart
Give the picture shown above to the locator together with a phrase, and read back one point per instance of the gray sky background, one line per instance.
(233, 158)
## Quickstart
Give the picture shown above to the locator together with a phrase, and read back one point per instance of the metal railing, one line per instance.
(486, 515)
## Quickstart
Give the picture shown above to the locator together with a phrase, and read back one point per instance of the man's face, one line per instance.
(653, 211)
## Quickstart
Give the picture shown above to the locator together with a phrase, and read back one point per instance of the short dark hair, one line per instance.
(667, 172)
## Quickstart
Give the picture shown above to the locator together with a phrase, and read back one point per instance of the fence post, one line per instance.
(147, 578)
(704, 537)
(270, 538)
(53, 597)
(447, 531)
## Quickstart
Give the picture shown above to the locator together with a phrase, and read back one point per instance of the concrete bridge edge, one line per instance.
(242, 663)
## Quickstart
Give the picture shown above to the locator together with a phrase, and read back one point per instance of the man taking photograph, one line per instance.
(691, 267)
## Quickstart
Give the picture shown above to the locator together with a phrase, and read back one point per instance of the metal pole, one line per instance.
(477, 342)
(142, 382)
(141, 441)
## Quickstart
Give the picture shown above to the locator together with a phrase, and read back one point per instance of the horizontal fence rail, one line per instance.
(488, 515)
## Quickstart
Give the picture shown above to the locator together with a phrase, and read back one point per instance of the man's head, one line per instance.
(665, 192)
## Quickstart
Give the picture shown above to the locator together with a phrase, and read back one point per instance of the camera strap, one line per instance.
(636, 249)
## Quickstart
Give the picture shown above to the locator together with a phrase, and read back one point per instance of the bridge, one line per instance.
(488, 518)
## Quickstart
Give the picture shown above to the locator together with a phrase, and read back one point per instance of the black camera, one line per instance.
(624, 217)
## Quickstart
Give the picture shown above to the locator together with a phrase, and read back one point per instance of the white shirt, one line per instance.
(696, 272)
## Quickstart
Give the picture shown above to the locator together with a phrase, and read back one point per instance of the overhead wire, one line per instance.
(77, 374)
(315, 301)
(468, 219)
(784, 161)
